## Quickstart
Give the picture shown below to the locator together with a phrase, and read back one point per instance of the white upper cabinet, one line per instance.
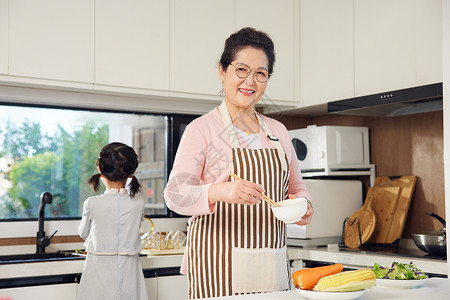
(428, 41)
(278, 20)
(162, 51)
(398, 44)
(326, 51)
(3, 36)
(52, 39)
(132, 43)
(198, 30)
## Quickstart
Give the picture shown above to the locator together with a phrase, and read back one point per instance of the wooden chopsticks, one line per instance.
(267, 199)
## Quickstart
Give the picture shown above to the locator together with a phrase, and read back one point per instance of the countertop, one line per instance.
(323, 254)
(437, 288)
(364, 259)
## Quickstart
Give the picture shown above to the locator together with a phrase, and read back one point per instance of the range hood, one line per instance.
(408, 101)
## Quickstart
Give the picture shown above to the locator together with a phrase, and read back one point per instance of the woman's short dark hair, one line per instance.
(117, 162)
(247, 37)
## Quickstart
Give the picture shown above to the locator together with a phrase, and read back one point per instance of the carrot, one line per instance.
(307, 280)
(295, 275)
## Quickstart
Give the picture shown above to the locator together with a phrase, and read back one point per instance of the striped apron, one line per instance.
(241, 249)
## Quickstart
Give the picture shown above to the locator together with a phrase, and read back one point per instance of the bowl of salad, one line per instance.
(398, 275)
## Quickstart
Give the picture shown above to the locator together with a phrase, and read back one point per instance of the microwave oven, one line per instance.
(332, 150)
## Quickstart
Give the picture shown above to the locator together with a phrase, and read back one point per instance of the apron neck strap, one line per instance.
(232, 136)
(274, 141)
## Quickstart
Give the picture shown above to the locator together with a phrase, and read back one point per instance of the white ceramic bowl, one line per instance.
(290, 210)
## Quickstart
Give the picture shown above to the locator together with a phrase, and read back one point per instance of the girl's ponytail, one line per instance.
(95, 181)
(135, 186)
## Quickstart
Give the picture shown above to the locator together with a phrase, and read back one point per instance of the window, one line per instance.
(55, 150)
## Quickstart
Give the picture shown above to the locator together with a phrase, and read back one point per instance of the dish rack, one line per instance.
(164, 240)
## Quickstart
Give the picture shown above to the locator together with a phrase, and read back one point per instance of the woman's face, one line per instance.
(245, 92)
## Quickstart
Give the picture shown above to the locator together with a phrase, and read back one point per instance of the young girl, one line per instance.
(110, 227)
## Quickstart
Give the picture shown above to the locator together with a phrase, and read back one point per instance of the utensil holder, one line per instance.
(350, 223)
(366, 246)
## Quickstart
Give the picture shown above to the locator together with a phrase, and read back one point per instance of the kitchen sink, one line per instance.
(34, 257)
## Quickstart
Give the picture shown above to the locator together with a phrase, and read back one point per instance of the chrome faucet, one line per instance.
(43, 241)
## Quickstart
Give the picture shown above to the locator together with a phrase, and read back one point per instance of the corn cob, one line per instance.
(347, 281)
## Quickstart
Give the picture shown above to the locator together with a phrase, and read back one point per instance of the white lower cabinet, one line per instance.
(167, 287)
(158, 288)
(67, 291)
(152, 288)
(172, 287)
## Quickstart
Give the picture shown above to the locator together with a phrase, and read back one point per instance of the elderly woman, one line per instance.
(235, 244)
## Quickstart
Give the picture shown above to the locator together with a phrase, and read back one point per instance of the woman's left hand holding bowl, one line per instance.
(308, 215)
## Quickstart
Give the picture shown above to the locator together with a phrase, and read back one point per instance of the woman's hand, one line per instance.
(308, 215)
(236, 191)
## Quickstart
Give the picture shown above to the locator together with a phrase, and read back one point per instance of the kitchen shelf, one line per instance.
(348, 170)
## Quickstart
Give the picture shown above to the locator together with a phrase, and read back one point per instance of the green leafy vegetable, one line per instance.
(379, 270)
(398, 271)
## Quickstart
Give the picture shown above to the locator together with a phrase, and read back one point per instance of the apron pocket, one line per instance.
(259, 270)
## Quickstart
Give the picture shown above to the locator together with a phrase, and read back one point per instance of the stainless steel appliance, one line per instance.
(420, 99)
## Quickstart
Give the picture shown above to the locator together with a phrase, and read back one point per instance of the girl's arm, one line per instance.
(85, 224)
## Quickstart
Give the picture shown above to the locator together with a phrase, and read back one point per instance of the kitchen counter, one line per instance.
(438, 288)
(49, 268)
(330, 254)
(362, 259)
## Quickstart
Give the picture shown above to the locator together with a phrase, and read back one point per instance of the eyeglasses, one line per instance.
(243, 71)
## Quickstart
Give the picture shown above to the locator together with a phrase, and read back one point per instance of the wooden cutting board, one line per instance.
(367, 222)
(382, 201)
(407, 185)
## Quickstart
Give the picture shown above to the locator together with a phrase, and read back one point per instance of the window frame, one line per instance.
(172, 138)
